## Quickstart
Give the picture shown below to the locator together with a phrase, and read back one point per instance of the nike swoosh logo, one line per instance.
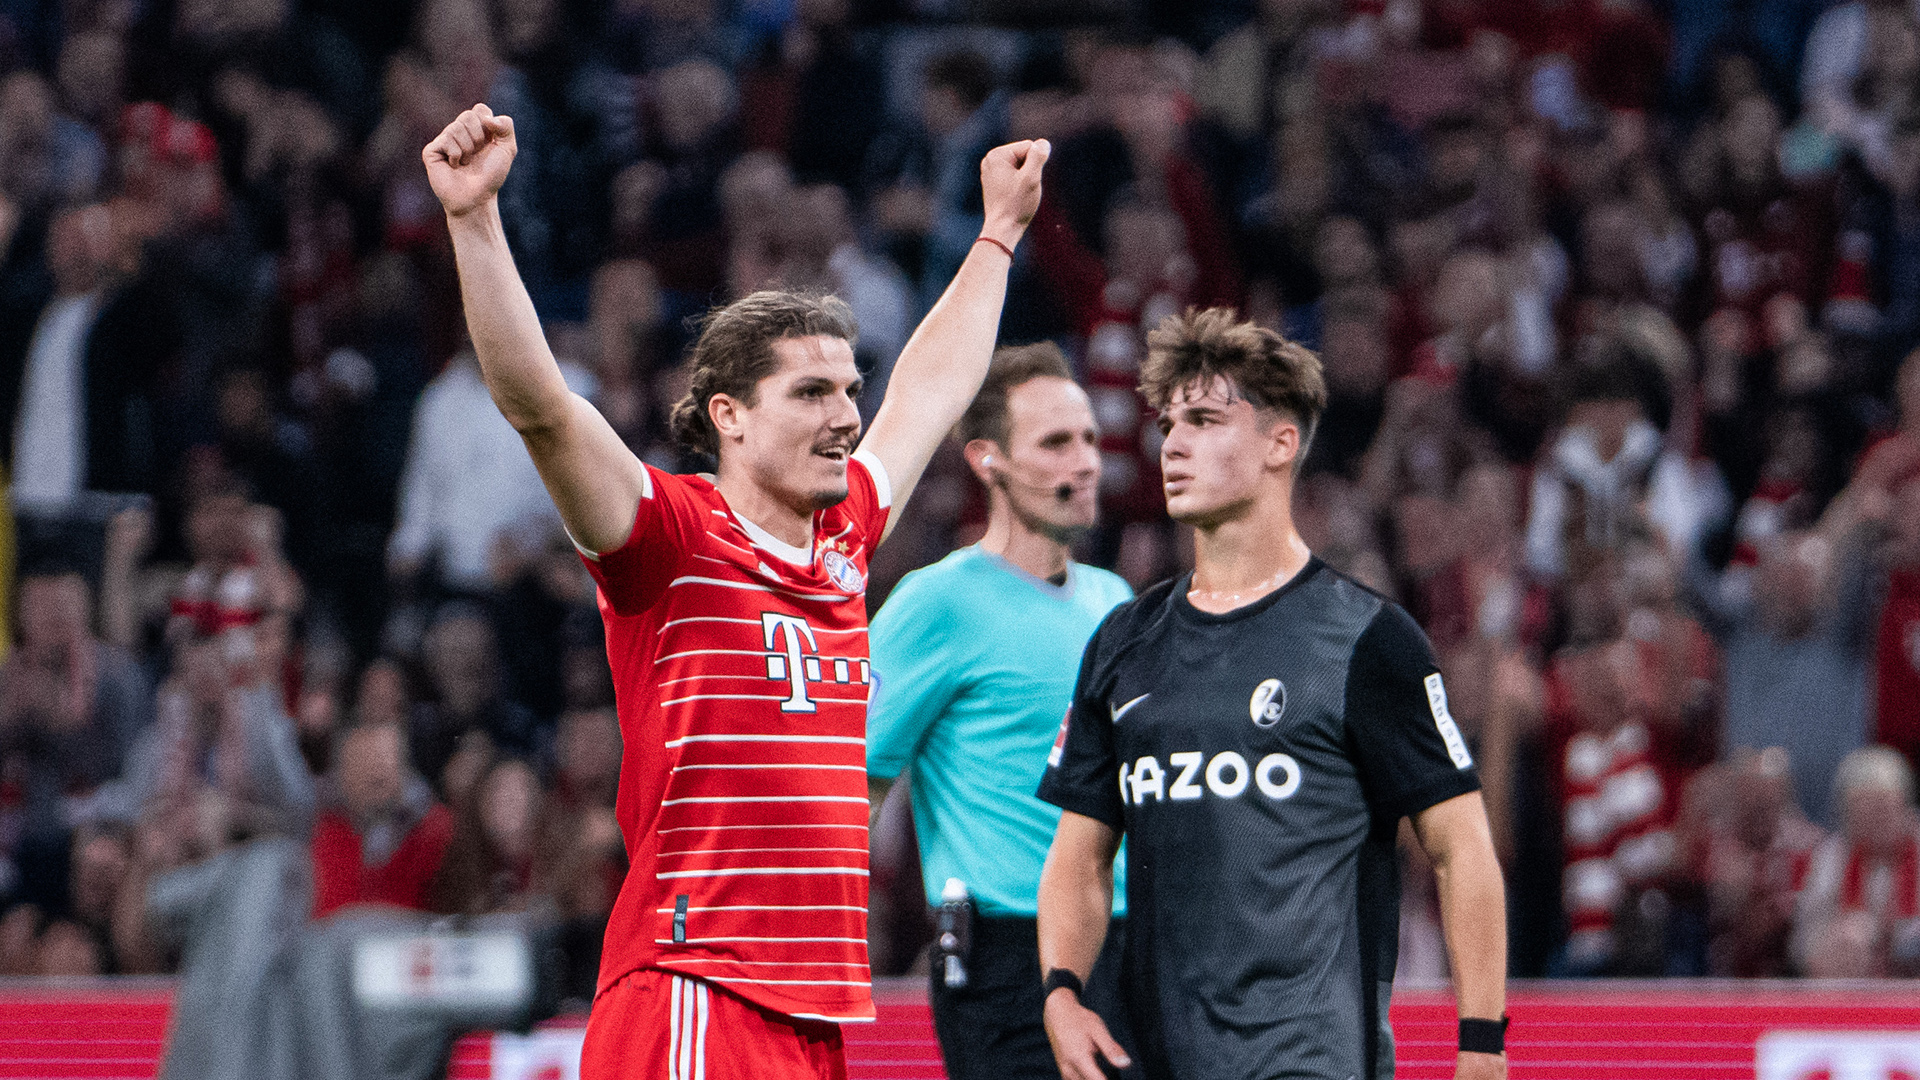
(1127, 708)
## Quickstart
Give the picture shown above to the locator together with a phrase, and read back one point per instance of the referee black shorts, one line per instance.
(991, 1028)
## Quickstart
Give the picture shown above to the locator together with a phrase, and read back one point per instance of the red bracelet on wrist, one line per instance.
(995, 243)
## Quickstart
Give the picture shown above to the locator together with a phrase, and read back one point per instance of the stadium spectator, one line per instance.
(1751, 849)
(1618, 781)
(1796, 636)
(489, 862)
(469, 487)
(579, 819)
(380, 836)
(71, 707)
(1859, 912)
(65, 402)
(462, 660)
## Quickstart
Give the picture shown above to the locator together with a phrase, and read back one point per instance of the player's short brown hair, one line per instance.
(1270, 370)
(735, 351)
(1013, 366)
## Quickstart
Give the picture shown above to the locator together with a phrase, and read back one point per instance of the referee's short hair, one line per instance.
(1013, 366)
(1270, 370)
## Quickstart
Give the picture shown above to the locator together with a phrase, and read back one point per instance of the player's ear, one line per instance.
(1282, 441)
(725, 412)
(982, 457)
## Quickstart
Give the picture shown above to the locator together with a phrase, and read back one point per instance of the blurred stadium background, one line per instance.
(304, 700)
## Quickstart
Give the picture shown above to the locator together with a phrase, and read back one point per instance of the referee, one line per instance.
(1257, 730)
(975, 658)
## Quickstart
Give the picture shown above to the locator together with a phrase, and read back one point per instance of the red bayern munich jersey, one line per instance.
(742, 681)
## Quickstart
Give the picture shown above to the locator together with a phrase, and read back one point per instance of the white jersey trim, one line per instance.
(781, 940)
(882, 484)
(717, 828)
(749, 586)
(766, 907)
(787, 553)
(646, 492)
(758, 851)
(849, 740)
(790, 982)
(687, 1030)
(861, 799)
(756, 622)
(766, 963)
(843, 871)
(773, 765)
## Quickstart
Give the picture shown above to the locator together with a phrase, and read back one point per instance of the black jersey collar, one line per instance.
(1245, 611)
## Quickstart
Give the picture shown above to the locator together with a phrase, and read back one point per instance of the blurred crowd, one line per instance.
(1618, 301)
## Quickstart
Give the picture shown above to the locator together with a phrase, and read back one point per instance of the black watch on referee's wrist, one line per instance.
(1057, 978)
(1483, 1036)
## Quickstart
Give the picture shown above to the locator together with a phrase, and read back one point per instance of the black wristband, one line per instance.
(1483, 1036)
(1058, 978)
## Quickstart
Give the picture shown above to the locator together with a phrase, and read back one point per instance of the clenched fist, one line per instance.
(1010, 187)
(468, 161)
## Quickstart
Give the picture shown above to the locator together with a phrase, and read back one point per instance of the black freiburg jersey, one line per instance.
(1259, 763)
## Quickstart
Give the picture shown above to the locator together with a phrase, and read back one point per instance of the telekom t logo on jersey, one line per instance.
(793, 657)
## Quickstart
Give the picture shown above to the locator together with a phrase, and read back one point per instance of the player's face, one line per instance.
(1052, 474)
(802, 427)
(1220, 453)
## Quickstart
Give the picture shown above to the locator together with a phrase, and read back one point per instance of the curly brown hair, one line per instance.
(735, 351)
(1270, 370)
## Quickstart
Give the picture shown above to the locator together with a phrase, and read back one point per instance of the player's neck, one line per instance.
(1237, 562)
(1037, 553)
(784, 522)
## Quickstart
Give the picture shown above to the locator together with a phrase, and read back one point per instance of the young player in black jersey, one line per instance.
(1257, 730)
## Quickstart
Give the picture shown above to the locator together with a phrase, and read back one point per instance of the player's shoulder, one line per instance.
(1383, 632)
(1133, 617)
(1340, 596)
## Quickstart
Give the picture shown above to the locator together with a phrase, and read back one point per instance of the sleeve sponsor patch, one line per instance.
(1442, 719)
(1060, 740)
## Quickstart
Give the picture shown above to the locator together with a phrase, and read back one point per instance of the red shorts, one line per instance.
(655, 1025)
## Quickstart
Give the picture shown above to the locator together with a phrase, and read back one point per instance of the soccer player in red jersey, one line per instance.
(736, 627)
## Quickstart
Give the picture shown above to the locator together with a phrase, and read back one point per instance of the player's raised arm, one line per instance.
(944, 362)
(595, 481)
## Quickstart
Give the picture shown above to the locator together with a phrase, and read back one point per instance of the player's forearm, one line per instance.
(1473, 915)
(1076, 901)
(941, 367)
(519, 370)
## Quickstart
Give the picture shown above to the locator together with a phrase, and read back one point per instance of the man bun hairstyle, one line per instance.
(1013, 366)
(1271, 371)
(734, 352)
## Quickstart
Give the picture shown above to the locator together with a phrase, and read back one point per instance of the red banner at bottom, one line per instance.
(116, 1030)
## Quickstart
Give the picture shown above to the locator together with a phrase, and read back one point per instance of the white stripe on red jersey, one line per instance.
(742, 681)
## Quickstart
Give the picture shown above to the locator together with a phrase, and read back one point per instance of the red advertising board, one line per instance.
(1561, 1031)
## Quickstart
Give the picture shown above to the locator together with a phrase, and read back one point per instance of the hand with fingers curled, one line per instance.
(469, 160)
(1010, 187)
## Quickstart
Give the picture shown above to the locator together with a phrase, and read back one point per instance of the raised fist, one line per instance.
(468, 161)
(1010, 186)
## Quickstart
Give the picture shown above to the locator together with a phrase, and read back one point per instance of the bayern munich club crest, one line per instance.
(842, 571)
(1268, 704)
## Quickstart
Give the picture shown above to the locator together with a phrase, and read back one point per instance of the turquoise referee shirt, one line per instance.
(975, 661)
